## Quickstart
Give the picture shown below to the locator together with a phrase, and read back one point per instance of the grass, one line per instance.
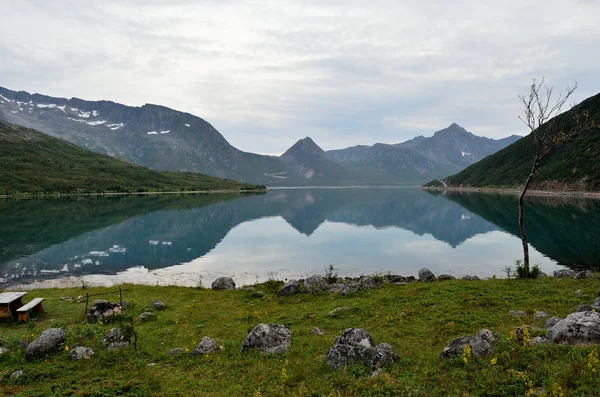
(418, 320)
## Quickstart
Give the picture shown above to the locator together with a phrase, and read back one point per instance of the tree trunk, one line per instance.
(522, 219)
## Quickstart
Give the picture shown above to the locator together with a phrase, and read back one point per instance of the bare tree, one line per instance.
(549, 129)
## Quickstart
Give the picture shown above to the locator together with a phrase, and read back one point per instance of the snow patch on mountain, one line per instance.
(152, 133)
(46, 105)
(95, 113)
(465, 154)
(165, 131)
(96, 122)
(115, 126)
(83, 114)
(61, 107)
(5, 98)
(187, 125)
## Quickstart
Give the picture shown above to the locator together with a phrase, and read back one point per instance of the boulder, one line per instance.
(580, 327)
(114, 335)
(16, 374)
(584, 308)
(539, 315)
(315, 284)
(269, 338)
(470, 277)
(367, 282)
(564, 273)
(176, 351)
(446, 277)
(223, 283)
(347, 288)
(206, 346)
(357, 345)
(147, 316)
(584, 274)
(81, 353)
(47, 342)
(517, 313)
(356, 337)
(550, 322)
(3, 350)
(158, 305)
(480, 344)
(80, 298)
(117, 345)
(426, 275)
(539, 340)
(292, 287)
(596, 304)
(317, 331)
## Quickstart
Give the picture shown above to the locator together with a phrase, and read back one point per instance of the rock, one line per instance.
(517, 313)
(223, 283)
(147, 316)
(426, 275)
(564, 273)
(81, 353)
(596, 304)
(315, 284)
(22, 344)
(150, 364)
(470, 277)
(176, 351)
(206, 346)
(584, 308)
(577, 292)
(581, 327)
(16, 374)
(117, 345)
(292, 287)
(367, 282)
(269, 338)
(356, 337)
(102, 309)
(158, 305)
(337, 311)
(550, 322)
(317, 331)
(356, 345)
(80, 298)
(539, 340)
(347, 288)
(114, 335)
(539, 315)
(3, 350)
(446, 277)
(583, 275)
(480, 344)
(66, 299)
(377, 372)
(47, 342)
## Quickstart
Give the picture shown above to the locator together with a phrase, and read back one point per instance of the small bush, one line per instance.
(534, 272)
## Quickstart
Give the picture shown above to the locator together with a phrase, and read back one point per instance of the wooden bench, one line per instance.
(35, 305)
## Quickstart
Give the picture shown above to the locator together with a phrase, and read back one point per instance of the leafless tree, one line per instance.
(549, 129)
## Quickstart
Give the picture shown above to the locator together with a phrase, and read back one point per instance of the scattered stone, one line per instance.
(583, 308)
(16, 374)
(269, 338)
(539, 315)
(3, 350)
(147, 316)
(539, 340)
(223, 283)
(577, 292)
(114, 335)
(175, 351)
(337, 311)
(206, 346)
(80, 298)
(150, 364)
(551, 322)
(117, 345)
(292, 287)
(317, 331)
(517, 313)
(446, 277)
(564, 273)
(356, 345)
(580, 327)
(480, 344)
(315, 284)
(377, 372)
(81, 353)
(347, 288)
(66, 299)
(596, 304)
(47, 342)
(248, 288)
(470, 277)
(101, 310)
(158, 305)
(367, 282)
(583, 275)
(426, 275)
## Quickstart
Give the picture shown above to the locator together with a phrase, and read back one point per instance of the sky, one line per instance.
(267, 73)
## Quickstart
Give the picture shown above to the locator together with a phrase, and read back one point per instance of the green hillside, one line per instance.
(572, 166)
(33, 162)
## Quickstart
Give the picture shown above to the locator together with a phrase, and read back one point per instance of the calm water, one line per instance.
(290, 233)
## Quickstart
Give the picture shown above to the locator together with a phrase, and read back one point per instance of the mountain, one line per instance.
(35, 162)
(572, 166)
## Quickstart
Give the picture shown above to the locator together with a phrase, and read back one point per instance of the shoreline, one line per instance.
(549, 193)
(111, 194)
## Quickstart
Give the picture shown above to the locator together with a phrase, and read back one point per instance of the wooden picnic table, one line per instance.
(10, 302)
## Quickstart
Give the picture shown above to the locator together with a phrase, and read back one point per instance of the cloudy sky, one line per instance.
(266, 73)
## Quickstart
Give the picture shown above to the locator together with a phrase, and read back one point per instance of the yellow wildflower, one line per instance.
(494, 360)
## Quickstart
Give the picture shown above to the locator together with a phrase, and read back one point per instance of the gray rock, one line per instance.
(564, 273)
(269, 338)
(223, 283)
(66, 299)
(584, 308)
(47, 342)
(3, 350)
(367, 282)
(158, 305)
(583, 275)
(470, 277)
(292, 287)
(426, 275)
(596, 304)
(539, 340)
(117, 345)
(80, 298)
(81, 353)
(114, 335)
(539, 315)
(337, 311)
(317, 331)
(16, 374)
(480, 344)
(347, 288)
(22, 344)
(206, 346)
(176, 351)
(581, 327)
(315, 284)
(356, 345)
(517, 313)
(356, 337)
(446, 277)
(150, 364)
(550, 322)
(147, 316)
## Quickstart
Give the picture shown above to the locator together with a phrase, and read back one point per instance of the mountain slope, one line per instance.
(35, 162)
(572, 166)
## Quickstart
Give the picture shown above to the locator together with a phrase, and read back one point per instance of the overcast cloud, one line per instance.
(266, 73)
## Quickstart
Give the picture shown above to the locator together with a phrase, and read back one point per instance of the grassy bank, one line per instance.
(418, 320)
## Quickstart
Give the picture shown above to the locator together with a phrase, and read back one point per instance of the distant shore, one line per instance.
(217, 191)
(558, 193)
